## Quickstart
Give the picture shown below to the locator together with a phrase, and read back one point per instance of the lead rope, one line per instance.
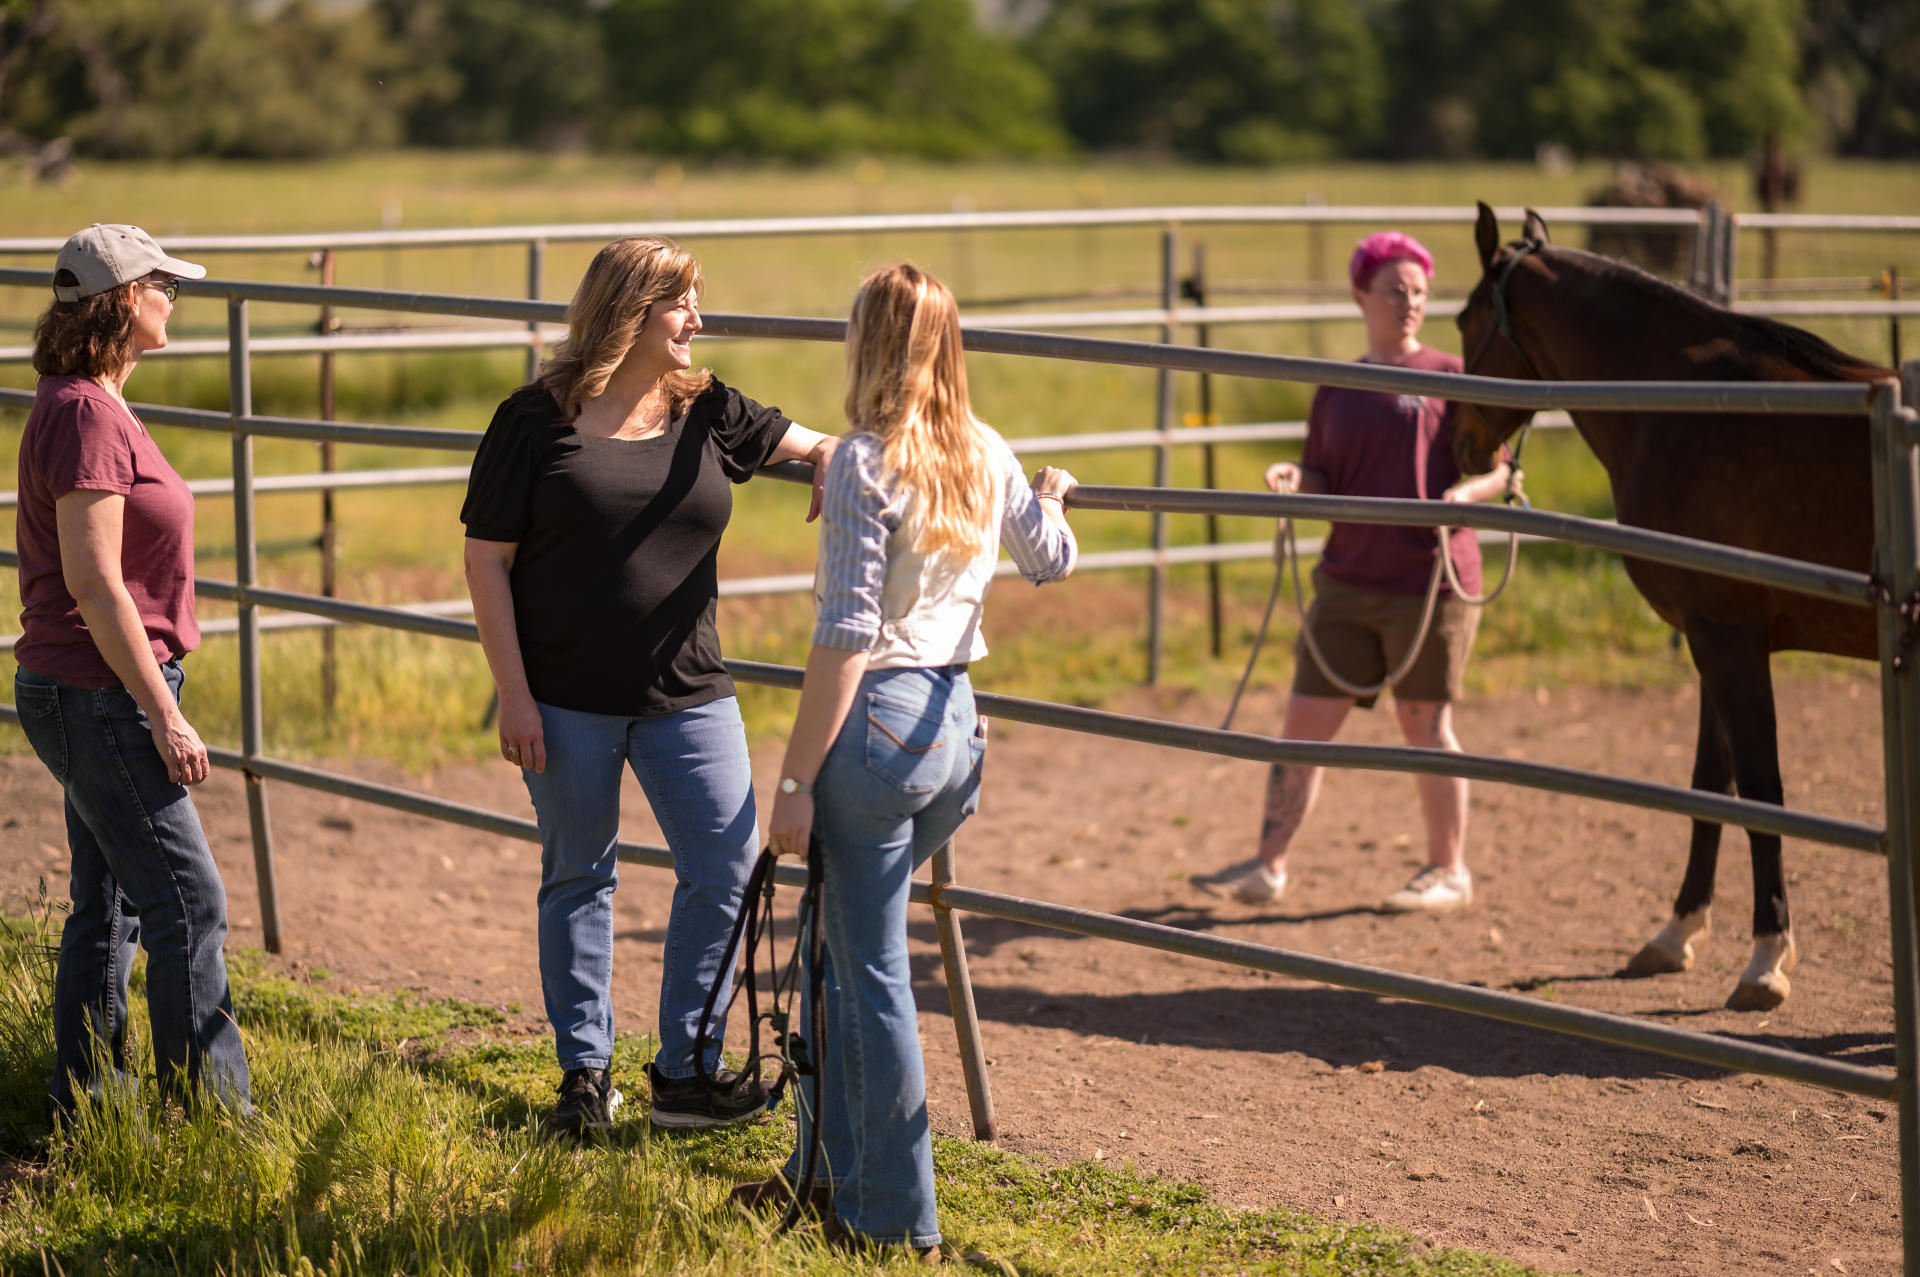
(1286, 548)
(798, 1055)
(1513, 496)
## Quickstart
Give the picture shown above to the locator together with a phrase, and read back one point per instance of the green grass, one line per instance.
(396, 1135)
(419, 701)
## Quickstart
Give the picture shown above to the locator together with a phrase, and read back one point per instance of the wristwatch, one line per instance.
(788, 785)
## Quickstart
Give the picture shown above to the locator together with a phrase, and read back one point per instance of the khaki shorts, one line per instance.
(1365, 636)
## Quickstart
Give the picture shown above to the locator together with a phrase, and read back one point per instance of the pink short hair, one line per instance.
(1381, 247)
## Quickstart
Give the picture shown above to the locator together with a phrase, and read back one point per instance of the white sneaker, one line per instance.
(1432, 890)
(1249, 882)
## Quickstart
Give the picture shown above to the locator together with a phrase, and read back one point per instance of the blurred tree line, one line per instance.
(1230, 80)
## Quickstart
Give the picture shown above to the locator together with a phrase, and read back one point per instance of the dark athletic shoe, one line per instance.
(587, 1101)
(686, 1102)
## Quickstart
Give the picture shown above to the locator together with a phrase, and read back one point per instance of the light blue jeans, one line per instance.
(143, 875)
(695, 771)
(898, 781)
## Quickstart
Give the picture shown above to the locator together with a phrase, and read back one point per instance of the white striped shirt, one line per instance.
(875, 593)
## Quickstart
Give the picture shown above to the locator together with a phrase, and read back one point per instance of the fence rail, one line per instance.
(423, 339)
(1897, 478)
(870, 224)
(1703, 396)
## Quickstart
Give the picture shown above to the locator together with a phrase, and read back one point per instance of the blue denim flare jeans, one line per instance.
(695, 771)
(897, 782)
(143, 876)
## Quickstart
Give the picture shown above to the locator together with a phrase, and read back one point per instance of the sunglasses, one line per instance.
(169, 288)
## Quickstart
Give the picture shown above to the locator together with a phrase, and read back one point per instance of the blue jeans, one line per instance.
(143, 875)
(896, 783)
(693, 766)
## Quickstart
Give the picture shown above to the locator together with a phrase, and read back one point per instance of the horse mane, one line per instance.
(1756, 336)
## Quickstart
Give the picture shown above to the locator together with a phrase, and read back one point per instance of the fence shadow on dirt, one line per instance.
(1342, 1029)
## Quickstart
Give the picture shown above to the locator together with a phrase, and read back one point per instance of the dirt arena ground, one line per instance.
(1555, 1152)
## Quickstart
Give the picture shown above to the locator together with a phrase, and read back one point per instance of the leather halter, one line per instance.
(1503, 327)
(1502, 316)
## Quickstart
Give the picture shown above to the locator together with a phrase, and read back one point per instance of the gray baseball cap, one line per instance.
(103, 257)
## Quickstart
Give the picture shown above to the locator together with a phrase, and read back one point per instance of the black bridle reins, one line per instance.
(797, 1055)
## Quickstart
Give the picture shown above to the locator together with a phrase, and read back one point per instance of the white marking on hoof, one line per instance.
(1672, 949)
(1764, 984)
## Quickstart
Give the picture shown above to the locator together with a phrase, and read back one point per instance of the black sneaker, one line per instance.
(682, 1102)
(587, 1102)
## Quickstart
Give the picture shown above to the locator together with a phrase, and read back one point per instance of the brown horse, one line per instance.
(1799, 486)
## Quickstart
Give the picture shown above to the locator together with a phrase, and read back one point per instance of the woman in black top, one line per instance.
(593, 516)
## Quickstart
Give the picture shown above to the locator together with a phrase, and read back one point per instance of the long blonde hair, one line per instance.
(907, 385)
(623, 283)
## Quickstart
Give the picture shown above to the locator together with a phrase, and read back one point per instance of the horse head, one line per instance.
(1488, 340)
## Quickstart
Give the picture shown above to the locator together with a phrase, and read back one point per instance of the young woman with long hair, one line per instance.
(884, 761)
(593, 518)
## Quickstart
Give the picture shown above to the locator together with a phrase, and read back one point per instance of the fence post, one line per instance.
(1316, 271)
(1703, 233)
(536, 276)
(1163, 455)
(1196, 292)
(1897, 565)
(246, 568)
(966, 1021)
(329, 533)
(1893, 328)
(1729, 257)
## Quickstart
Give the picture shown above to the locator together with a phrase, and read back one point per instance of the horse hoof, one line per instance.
(1655, 960)
(1758, 996)
(1764, 985)
(1672, 950)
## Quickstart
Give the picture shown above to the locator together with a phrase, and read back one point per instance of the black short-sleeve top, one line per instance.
(616, 579)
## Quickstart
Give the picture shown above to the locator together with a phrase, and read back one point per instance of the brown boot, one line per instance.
(772, 1195)
(840, 1237)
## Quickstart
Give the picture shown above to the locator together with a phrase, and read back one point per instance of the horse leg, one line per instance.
(1734, 668)
(1672, 949)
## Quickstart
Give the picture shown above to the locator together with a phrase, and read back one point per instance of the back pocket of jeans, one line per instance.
(905, 747)
(39, 707)
(977, 751)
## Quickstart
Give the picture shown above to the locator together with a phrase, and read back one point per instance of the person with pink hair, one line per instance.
(1372, 586)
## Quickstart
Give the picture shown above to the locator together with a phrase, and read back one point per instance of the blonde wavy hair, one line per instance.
(623, 283)
(907, 386)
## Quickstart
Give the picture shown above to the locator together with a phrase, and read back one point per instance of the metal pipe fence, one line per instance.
(869, 224)
(1896, 432)
(532, 338)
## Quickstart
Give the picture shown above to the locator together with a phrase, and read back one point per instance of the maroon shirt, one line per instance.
(1373, 444)
(79, 436)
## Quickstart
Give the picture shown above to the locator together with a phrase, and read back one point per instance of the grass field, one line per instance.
(396, 1135)
(419, 700)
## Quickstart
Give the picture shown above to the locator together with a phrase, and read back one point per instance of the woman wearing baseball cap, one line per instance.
(105, 536)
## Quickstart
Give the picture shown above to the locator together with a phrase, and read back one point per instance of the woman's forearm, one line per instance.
(816, 449)
(89, 525)
(797, 444)
(113, 621)
(826, 697)
(1054, 511)
(490, 586)
(1485, 487)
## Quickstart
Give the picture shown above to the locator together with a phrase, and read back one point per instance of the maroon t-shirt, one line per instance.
(1373, 444)
(79, 436)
